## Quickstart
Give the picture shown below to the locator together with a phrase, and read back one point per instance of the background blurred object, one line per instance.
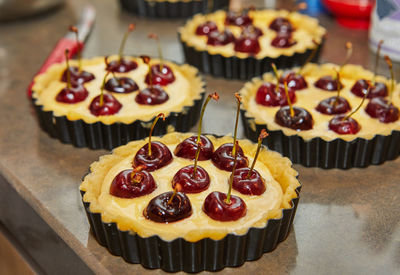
(14, 9)
(353, 14)
(314, 7)
(386, 26)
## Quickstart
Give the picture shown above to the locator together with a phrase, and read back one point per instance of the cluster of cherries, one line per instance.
(283, 94)
(175, 205)
(248, 41)
(158, 75)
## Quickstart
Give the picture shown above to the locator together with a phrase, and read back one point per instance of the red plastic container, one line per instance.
(353, 14)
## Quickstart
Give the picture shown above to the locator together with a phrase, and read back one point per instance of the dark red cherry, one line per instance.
(159, 210)
(247, 44)
(283, 41)
(281, 25)
(333, 106)
(302, 119)
(77, 76)
(124, 187)
(206, 28)
(348, 126)
(160, 156)
(216, 207)
(252, 31)
(254, 185)
(187, 148)
(361, 86)
(238, 19)
(76, 93)
(121, 85)
(267, 95)
(380, 108)
(327, 83)
(188, 183)
(160, 75)
(293, 80)
(224, 160)
(121, 66)
(220, 38)
(152, 96)
(110, 105)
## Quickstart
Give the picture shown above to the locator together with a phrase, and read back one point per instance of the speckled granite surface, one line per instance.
(347, 221)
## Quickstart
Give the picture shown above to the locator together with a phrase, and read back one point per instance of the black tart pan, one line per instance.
(243, 68)
(317, 152)
(166, 9)
(181, 255)
(103, 136)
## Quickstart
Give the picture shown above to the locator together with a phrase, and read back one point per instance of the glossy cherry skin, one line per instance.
(160, 75)
(343, 126)
(77, 76)
(121, 85)
(189, 184)
(254, 185)
(220, 38)
(381, 109)
(361, 86)
(247, 44)
(187, 148)
(224, 160)
(122, 185)
(238, 19)
(267, 95)
(302, 119)
(121, 66)
(75, 94)
(110, 105)
(216, 207)
(159, 210)
(206, 28)
(281, 25)
(283, 41)
(294, 81)
(152, 96)
(160, 156)
(327, 83)
(329, 107)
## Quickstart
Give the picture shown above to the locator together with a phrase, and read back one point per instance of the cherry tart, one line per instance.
(175, 202)
(328, 117)
(80, 112)
(255, 37)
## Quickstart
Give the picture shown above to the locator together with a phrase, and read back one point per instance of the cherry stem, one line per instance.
(262, 135)
(152, 128)
(196, 159)
(359, 106)
(176, 190)
(228, 195)
(310, 57)
(101, 101)
(78, 45)
(160, 55)
(390, 65)
(214, 96)
(131, 27)
(150, 76)
(239, 99)
(339, 88)
(276, 76)
(68, 70)
(378, 55)
(288, 99)
(349, 53)
(135, 171)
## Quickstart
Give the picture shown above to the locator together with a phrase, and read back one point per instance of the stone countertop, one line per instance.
(347, 221)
